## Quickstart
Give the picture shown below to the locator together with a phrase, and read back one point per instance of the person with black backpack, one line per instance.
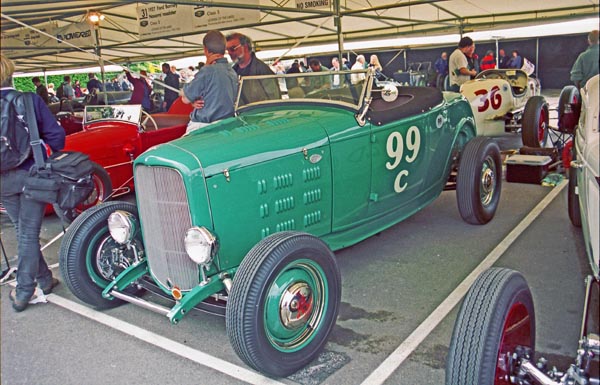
(16, 162)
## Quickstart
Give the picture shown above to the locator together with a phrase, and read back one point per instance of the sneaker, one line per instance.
(48, 289)
(17, 304)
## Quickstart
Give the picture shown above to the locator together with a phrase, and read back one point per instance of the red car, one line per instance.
(113, 136)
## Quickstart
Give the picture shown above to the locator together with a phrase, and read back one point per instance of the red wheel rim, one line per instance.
(542, 126)
(515, 332)
(575, 100)
(96, 196)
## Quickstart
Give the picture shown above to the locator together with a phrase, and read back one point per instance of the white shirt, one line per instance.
(457, 61)
(357, 78)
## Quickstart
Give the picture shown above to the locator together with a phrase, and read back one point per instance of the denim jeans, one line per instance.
(27, 217)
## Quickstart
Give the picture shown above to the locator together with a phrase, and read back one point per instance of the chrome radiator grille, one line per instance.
(165, 217)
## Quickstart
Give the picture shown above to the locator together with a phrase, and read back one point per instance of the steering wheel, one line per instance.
(145, 117)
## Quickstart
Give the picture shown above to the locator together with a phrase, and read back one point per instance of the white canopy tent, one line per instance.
(129, 31)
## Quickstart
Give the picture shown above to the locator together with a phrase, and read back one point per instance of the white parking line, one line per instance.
(197, 356)
(378, 376)
(394, 360)
(164, 343)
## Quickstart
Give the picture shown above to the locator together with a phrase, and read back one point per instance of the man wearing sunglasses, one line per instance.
(246, 63)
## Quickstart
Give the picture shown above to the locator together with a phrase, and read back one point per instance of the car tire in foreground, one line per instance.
(496, 316)
(102, 190)
(90, 259)
(284, 303)
(479, 180)
(535, 123)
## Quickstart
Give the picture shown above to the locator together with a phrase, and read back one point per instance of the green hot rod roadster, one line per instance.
(242, 216)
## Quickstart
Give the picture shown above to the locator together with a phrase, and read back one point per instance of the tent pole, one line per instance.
(100, 60)
(537, 56)
(340, 37)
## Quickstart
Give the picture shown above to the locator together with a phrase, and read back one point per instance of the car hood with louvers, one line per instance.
(238, 142)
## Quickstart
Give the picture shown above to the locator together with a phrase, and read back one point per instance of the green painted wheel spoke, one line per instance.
(295, 305)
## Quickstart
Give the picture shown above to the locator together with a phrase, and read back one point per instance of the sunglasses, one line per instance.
(232, 49)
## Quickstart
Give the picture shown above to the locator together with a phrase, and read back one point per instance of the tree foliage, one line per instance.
(25, 84)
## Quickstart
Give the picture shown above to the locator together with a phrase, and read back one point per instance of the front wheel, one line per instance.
(479, 181)
(535, 123)
(495, 318)
(284, 303)
(89, 257)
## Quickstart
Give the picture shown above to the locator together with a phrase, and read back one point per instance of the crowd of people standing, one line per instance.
(459, 66)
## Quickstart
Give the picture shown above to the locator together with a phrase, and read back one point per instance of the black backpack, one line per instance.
(60, 92)
(15, 145)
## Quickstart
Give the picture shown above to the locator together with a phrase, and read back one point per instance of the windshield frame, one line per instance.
(128, 113)
(358, 95)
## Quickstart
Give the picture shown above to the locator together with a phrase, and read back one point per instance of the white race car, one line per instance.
(508, 100)
(584, 175)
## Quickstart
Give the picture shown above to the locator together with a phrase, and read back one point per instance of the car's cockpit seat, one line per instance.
(516, 78)
(165, 120)
(517, 81)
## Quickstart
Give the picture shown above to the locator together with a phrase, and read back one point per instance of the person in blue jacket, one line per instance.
(26, 214)
(516, 61)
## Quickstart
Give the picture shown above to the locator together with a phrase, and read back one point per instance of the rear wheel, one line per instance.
(569, 105)
(479, 180)
(495, 320)
(284, 303)
(535, 122)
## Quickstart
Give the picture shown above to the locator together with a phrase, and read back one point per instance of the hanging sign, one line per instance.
(207, 18)
(313, 4)
(158, 20)
(78, 34)
(25, 41)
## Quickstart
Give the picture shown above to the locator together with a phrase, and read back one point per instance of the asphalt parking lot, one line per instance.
(395, 322)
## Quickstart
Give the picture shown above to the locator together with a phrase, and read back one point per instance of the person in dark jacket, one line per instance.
(239, 47)
(441, 64)
(93, 85)
(502, 59)
(172, 80)
(141, 90)
(41, 90)
(26, 214)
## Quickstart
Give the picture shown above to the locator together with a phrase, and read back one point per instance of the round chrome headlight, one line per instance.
(122, 226)
(200, 245)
